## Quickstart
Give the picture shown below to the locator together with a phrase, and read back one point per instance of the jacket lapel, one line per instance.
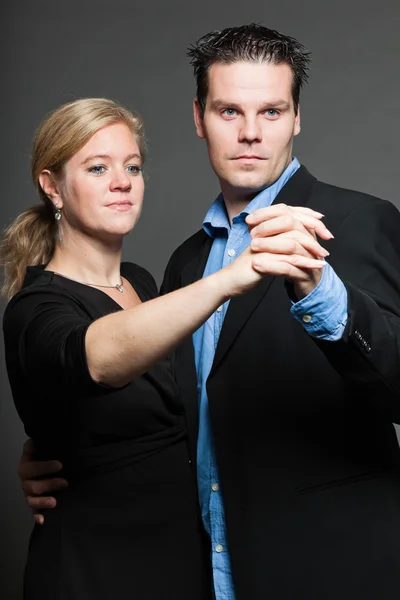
(185, 369)
(295, 193)
(194, 269)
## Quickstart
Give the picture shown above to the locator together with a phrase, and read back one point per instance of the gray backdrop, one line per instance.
(135, 52)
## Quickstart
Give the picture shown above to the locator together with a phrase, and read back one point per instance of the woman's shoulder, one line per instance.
(39, 291)
(139, 276)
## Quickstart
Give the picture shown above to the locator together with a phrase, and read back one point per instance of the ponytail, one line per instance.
(30, 240)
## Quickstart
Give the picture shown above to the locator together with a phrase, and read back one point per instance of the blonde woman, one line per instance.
(86, 344)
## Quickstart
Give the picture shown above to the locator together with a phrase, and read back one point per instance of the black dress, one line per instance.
(128, 525)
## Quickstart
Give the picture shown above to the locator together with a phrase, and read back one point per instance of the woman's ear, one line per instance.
(50, 187)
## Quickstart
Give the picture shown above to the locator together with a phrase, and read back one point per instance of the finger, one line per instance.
(314, 224)
(280, 268)
(283, 269)
(29, 449)
(307, 211)
(276, 226)
(310, 218)
(38, 487)
(39, 503)
(294, 242)
(39, 519)
(38, 468)
(308, 240)
(276, 210)
(274, 264)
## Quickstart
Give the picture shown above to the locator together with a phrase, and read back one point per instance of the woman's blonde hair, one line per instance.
(31, 238)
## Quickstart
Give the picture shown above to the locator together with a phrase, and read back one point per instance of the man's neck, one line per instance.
(236, 202)
(237, 199)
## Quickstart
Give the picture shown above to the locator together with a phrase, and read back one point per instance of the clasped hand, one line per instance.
(284, 239)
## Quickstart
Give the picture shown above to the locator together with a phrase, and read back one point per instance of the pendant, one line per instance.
(120, 287)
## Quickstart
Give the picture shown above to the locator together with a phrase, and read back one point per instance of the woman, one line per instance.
(86, 349)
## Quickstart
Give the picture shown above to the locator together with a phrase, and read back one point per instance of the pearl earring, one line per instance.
(57, 214)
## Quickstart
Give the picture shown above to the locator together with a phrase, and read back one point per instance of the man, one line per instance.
(298, 382)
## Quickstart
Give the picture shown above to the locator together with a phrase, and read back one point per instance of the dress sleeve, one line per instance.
(44, 333)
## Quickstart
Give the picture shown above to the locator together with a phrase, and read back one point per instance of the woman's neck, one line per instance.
(89, 260)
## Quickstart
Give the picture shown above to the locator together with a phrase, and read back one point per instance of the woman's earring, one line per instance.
(57, 214)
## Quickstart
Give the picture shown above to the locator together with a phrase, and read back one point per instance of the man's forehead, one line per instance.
(258, 78)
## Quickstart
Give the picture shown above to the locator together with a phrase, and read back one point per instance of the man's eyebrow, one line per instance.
(282, 104)
(107, 157)
(219, 104)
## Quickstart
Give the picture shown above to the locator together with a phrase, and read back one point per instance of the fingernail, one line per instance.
(255, 244)
(319, 214)
(249, 217)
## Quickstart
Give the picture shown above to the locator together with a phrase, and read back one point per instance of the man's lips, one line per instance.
(248, 157)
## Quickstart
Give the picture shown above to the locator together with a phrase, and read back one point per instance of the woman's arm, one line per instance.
(123, 345)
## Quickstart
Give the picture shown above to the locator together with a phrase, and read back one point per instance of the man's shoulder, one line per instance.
(338, 203)
(184, 254)
(189, 248)
(341, 194)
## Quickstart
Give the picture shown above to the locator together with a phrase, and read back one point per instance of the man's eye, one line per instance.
(133, 169)
(229, 112)
(272, 112)
(97, 169)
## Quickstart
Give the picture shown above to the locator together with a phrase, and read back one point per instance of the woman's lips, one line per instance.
(122, 206)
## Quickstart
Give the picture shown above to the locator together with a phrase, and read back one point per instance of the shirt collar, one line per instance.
(216, 221)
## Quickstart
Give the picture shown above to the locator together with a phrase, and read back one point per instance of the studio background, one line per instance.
(54, 52)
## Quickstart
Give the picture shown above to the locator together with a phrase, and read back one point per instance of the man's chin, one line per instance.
(248, 185)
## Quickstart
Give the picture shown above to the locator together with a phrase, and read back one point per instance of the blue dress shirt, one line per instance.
(325, 312)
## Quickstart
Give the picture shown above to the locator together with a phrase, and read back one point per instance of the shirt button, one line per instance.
(219, 308)
(231, 252)
(307, 319)
(218, 548)
(215, 487)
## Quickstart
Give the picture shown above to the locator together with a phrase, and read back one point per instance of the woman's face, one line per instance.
(102, 191)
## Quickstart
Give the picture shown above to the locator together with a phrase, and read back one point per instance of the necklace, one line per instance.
(118, 286)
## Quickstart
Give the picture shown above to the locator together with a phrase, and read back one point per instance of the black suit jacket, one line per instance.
(307, 453)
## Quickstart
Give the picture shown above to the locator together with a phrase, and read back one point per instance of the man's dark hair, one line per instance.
(253, 43)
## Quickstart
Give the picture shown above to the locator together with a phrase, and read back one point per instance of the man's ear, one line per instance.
(198, 118)
(50, 187)
(297, 128)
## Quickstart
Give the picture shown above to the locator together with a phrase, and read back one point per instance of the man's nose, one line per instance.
(250, 131)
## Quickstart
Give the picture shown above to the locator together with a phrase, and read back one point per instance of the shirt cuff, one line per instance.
(323, 313)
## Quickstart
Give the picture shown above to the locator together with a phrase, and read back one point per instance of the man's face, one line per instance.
(249, 124)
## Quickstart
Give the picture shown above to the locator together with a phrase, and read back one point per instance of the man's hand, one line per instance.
(290, 233)
(30, 472)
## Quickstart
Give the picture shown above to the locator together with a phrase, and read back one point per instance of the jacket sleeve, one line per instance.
(366, 256)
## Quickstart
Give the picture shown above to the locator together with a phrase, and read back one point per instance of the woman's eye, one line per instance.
(97, 169)
(133, 169)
